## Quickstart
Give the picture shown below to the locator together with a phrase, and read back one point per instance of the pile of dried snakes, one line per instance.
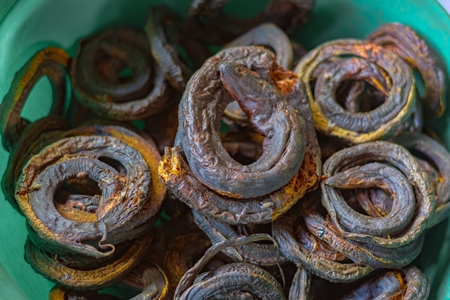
(280, 174)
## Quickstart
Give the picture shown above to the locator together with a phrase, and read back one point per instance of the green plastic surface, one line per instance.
(29, 25)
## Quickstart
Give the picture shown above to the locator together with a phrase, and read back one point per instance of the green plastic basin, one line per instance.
(29, 25)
